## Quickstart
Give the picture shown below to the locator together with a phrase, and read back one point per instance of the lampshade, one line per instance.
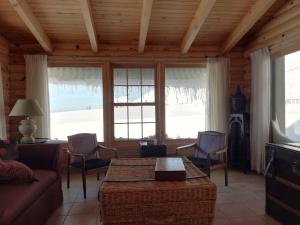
(26, 107)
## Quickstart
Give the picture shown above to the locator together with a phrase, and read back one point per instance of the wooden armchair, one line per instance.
(210, 152)
(84, 153)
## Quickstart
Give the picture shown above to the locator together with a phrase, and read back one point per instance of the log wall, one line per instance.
(17, 90)
(281, 34)
(4, 61)
(239, 75)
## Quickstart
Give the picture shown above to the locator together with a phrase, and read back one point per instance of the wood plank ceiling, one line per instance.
(140, 24)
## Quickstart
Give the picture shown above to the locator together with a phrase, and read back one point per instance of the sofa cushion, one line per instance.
(8, 150)
(15, 198)
(12, 171)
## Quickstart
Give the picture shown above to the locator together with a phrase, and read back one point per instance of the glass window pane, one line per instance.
(149, 130)
(134, 76)
(120, 77)
(292, 96)
(120, 114)
(121, 131)
(135, 131)
(148, 94)
(76, 101)
(135, 114)
(120, 94)
(148, 76)
(134, 94)
(185, 97)
(148, 113)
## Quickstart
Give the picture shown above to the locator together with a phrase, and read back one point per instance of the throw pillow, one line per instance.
(8, 150)
(12, 171)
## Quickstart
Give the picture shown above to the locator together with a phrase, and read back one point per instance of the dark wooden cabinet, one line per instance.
(283, 183)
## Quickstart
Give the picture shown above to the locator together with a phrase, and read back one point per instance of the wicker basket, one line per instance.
(129, 195)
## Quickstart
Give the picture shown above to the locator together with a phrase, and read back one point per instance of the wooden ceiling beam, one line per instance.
(144, 25)
(254, 14)
(201, 14)
(25, 13)
(89, 23)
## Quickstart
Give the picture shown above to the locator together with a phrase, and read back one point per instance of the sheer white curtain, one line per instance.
(260, 107)
(37, 88)
(217, 105)
(2, 109)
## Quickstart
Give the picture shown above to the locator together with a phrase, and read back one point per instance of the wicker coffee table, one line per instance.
(129, 195)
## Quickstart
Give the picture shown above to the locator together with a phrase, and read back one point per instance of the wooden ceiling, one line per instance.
(138, 23)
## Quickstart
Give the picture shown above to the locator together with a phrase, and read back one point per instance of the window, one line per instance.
(292, 95)
(185, 97)
(134, 103)
(76, 102)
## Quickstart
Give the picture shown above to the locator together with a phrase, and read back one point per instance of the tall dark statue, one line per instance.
(238, 101)
(239, 133)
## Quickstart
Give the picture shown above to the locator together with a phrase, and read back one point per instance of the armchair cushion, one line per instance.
(12, 171)
(92, 164)
(17, 198)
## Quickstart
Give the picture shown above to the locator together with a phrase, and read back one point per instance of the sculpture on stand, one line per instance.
(239, 133)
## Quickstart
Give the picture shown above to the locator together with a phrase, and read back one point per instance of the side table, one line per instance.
(153, 150)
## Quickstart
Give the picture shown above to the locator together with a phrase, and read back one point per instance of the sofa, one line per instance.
(32, 203)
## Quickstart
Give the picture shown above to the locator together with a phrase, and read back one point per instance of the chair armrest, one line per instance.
(223, 150)
(114, 151)
(75, 154)
(41, 156)
(184, 147)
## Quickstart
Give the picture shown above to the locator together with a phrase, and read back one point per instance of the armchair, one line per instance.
(210, 152)
(84, 153)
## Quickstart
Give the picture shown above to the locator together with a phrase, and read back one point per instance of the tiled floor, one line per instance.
(241, 203)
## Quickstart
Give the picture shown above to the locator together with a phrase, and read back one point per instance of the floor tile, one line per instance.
(63, 210)
(236, 210)
(247, 221)
(89, 207)
(81, 219)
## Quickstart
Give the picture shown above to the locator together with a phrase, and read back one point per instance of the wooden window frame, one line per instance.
(164, 139)
(141, 104)
(86, 64)
(108, 97)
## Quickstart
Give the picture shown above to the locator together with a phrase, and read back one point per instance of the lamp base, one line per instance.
(27, 140)
(27, 128)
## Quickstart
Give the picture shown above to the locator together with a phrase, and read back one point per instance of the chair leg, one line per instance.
(83, 177)
(84, 183)
(68, 172)
(225, 169)
(208, 165)
(98, 175)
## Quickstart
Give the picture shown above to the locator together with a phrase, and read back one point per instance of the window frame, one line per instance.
(101, 65)
(107, 66)
(113, 104)
(164, 137)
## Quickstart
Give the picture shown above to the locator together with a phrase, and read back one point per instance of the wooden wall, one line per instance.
(17, 90)
(281, 34)
(239, 75)
(4, 61)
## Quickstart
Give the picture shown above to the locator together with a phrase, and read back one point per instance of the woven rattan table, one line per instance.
(129, 195)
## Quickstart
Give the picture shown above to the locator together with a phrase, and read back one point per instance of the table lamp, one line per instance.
(27, 108)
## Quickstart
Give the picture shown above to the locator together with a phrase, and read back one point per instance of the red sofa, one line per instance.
(32, 203)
